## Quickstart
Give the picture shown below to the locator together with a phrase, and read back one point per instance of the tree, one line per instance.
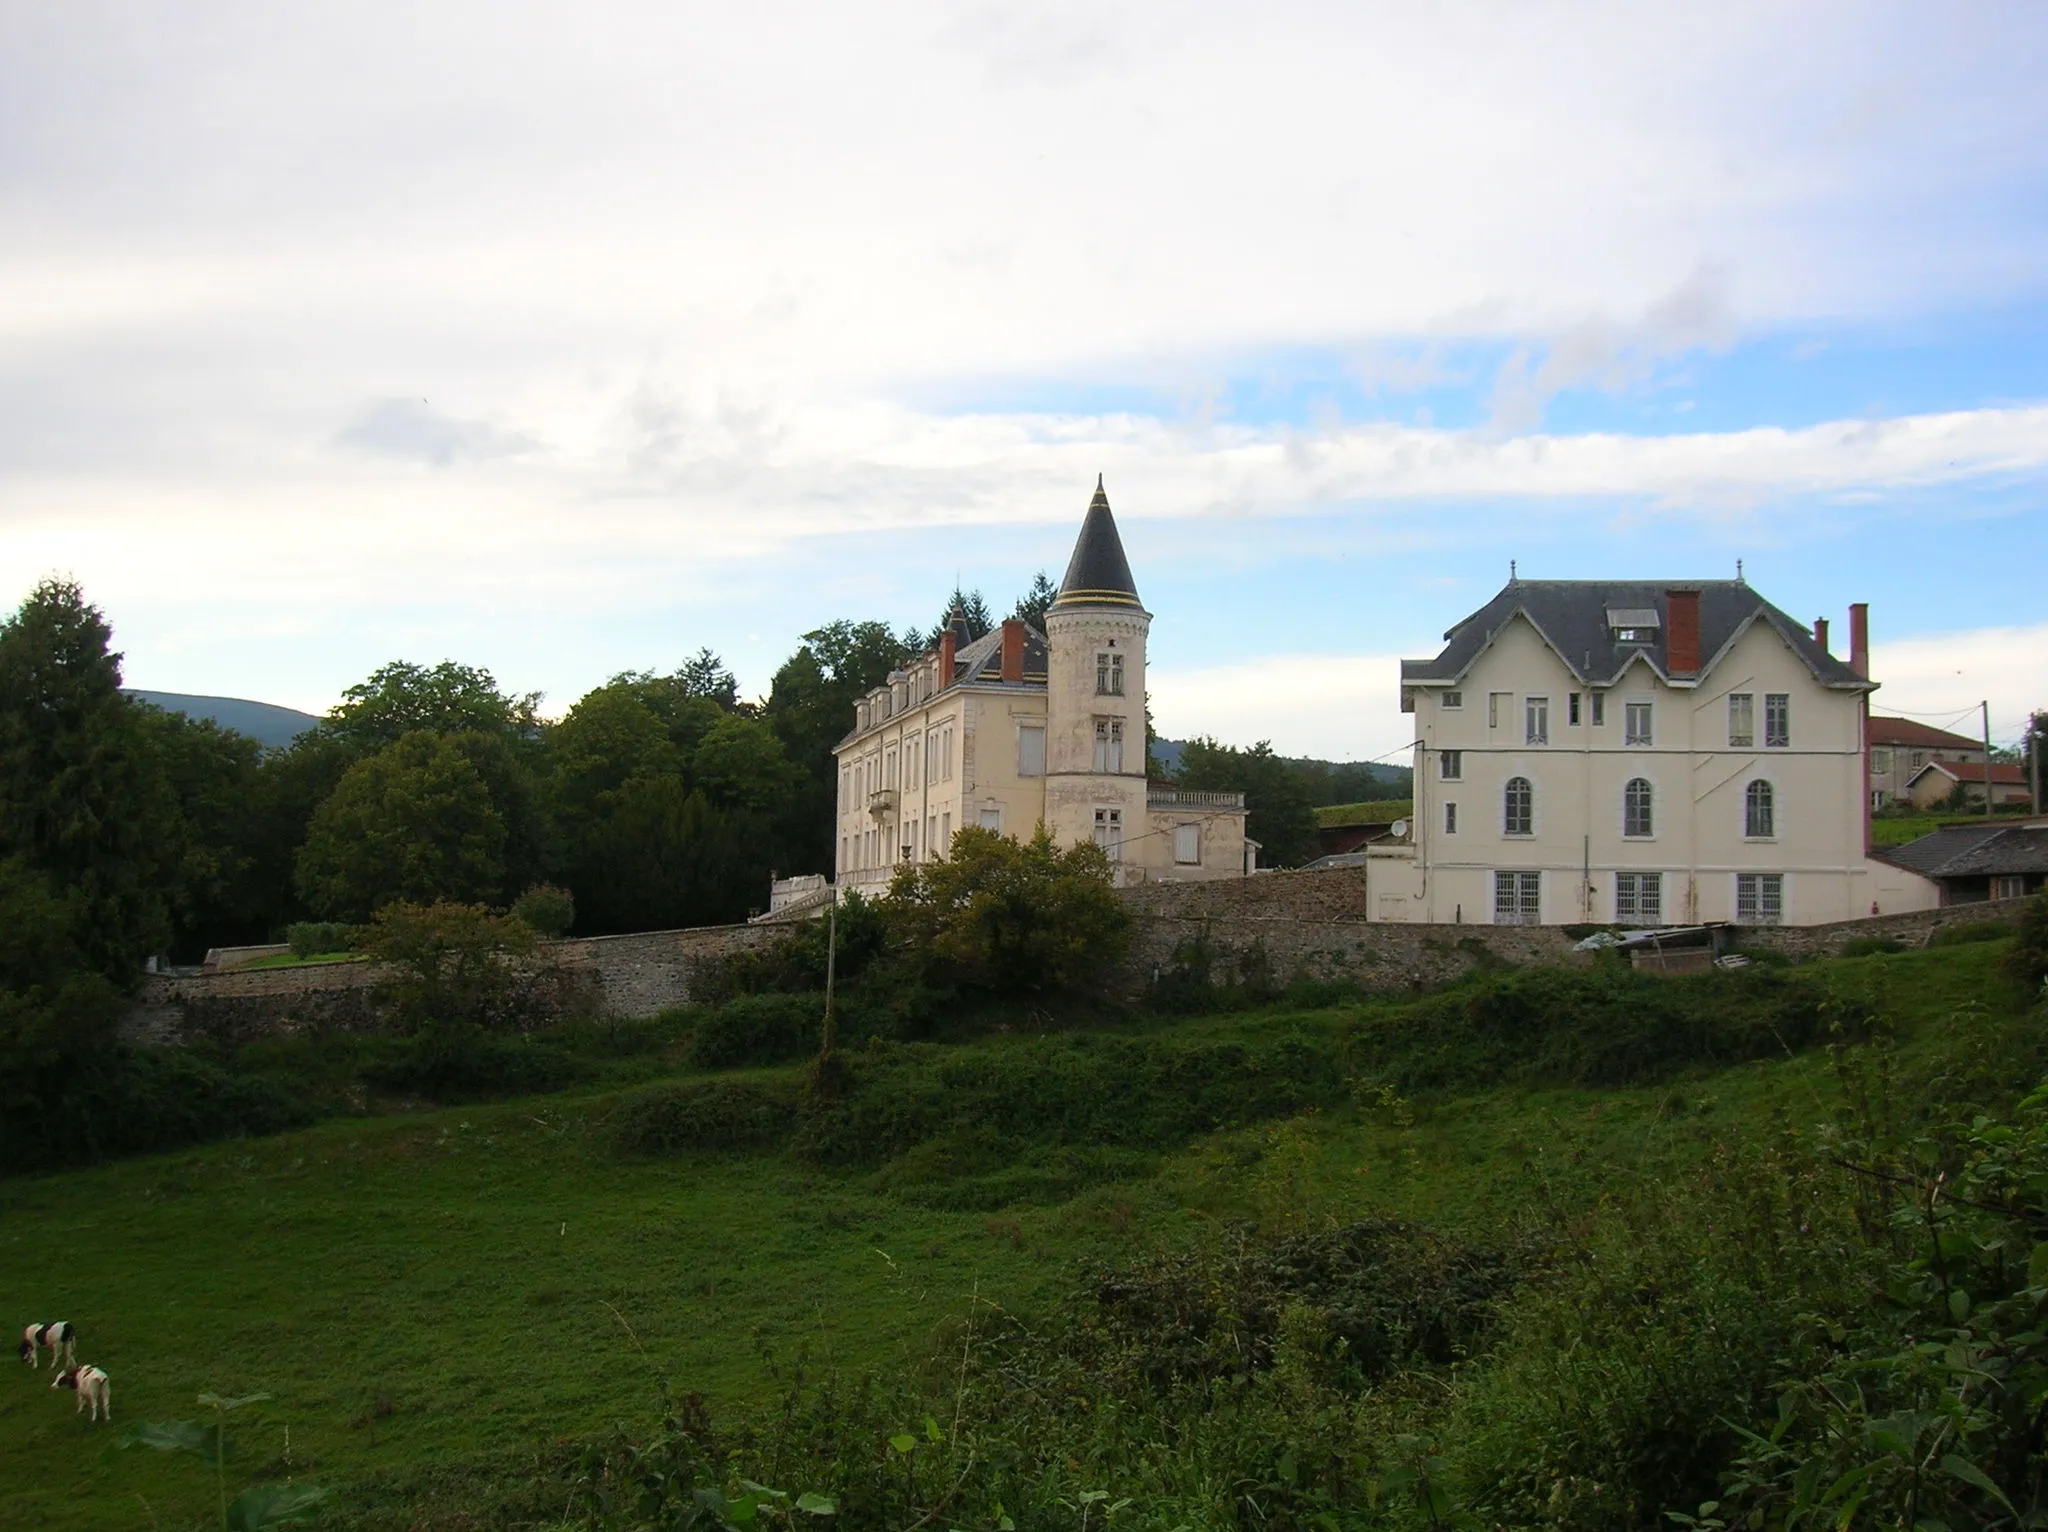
(740, 764)
(1035, 602)
(448, 960)
(1278, 817)
(402, 698)
(83, 802)
(663, 857)
(972, 605)
(212, 775)
(1002, 915)
(606, 740)
(413, 822)
(810, 707)
(704, 675)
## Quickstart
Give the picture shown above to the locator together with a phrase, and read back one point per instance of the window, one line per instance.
(1639, 896)
(992, 819)
(1187, 844)
(910, 759)
(1599, 710)
(2009, 885)
(1496, 704)
(1109, 674)
(1777, 720)
(1451, 765)
(1916, 759)
(1635, 807)
(1453, 701)
(1109, 745)
(1450, 819)
(1519, 807)
(1571, 710)
(1635, 723)
(889, 769)
(1109, 832)
(1536, 716)
(1031, 750)
(1881, 761)
(1876, 799)
(945, 833)
(1759, 811)
(1741, 720)
(1759, 898)
(1517, 898)
(931, 837)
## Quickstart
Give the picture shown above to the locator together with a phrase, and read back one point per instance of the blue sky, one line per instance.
(568, 339)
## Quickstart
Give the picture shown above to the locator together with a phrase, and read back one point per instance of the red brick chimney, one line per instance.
(945, 659)
(1820, 633)
(1013, 648)
(1682, 632)
(1859, 638)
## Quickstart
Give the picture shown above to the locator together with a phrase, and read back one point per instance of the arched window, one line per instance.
(1519, 816)
(1759, 817)
(1635, 807)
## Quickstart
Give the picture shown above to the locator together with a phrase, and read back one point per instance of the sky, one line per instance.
(566, 339)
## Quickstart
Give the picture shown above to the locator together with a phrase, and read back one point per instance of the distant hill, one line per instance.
(264, 722)
(1327, 781)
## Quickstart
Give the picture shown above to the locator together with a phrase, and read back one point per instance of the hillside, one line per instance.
(444, 1302)
(265, 722)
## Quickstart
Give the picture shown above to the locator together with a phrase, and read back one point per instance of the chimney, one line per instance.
(1013, 648)
(1859, 638)
(1682, 632)
(1820, 633)
(945, 659)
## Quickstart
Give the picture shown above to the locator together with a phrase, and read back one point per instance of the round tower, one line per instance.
(1095, 694)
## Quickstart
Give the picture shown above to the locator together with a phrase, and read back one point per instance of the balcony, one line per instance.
(1184, 798)
(882, 802)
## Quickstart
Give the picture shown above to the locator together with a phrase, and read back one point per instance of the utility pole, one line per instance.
(1986, 705)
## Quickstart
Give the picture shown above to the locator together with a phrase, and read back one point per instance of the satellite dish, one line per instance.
(1398, 828)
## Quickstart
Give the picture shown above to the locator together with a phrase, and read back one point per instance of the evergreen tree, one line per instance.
(972, 605)
(1035, 602)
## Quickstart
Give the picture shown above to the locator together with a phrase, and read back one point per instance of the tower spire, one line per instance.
(1098, 575)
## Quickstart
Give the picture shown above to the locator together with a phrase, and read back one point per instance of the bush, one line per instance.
(548, 910)
(1871, 946)
(2027, 963)
(702, 1114)
(757, 1029)
(452, 1061)
(450, 962)
(1965, 932)
(318, 938)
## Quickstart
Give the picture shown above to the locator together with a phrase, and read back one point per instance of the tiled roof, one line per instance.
(1576, 618)
(982, 660)
(1904, 731)
(1962, 851)
(2003, 773)
(1098, 575)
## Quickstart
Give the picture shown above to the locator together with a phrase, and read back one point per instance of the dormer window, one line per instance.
(1633, 624)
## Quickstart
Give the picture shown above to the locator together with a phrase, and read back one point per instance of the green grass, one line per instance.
(1380, 811)
(288, 960)
(430, 1289)
(1897, 830)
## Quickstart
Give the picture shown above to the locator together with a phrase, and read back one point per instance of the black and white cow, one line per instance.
(59, 1339)
(92, 1388)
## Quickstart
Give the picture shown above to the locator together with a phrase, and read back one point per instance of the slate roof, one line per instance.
(982, 660)
(1573, 616)
(1904, 731)
(1098, 575)
(1975, 851)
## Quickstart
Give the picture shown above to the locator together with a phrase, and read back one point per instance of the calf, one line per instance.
(91, 1386)
(59, 1339)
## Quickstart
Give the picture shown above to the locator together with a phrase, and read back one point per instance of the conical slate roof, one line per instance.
(1098, 575)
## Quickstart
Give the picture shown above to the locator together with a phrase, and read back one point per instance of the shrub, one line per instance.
(317, 938)
(548, 910)
(2028, 961)
(450, 961)
(1872, 946)
(1964, 932)
(702, 1114)
(757, 1029)
(460, 1061)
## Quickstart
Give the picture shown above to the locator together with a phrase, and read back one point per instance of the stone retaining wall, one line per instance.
(1912, 928)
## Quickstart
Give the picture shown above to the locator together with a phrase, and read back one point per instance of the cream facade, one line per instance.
(1629, 754)
(1021, 727)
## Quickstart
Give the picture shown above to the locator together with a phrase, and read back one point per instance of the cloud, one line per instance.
(412, 431)
(1942, 677)
(1338, 707)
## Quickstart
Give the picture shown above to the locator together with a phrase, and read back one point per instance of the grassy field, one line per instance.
(429, 1289)
(1381, 811)
(1896, 830)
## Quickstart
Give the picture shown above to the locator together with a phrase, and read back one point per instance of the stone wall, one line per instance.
(637, 975)
(1912, 928)
(1328, 893)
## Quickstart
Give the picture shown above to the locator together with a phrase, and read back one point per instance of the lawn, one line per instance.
(1381, 811)
(432, 1289)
